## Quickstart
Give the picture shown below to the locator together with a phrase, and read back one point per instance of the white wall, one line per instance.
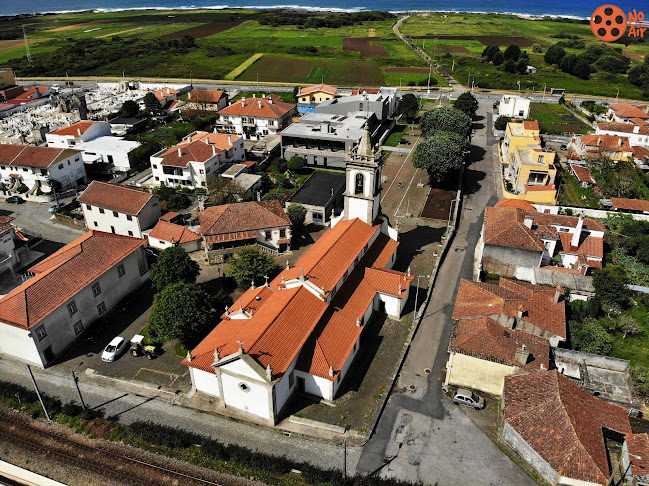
(107, 221)
(314, 385)
(14, 342)
(254, 401)
(205, 382)
(66, 172)
(97, 129)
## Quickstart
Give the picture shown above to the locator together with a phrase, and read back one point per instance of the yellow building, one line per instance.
(528, 171)
(6, 78)
(312, 95)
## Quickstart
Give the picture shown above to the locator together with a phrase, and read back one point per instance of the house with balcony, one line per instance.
(67, 293)
(528, 171)
(638, 134)
(627, 113)
(254, 118)
(324, 140)
(37, 167)
(77, 133)
(310, 96)
(613, 147)
(197, 158)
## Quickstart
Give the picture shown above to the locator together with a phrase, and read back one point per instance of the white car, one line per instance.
(116, 347)
(468, 399)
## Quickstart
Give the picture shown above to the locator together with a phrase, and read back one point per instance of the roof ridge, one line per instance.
(351, 223)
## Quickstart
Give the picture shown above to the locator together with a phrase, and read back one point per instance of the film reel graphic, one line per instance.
(608, 23)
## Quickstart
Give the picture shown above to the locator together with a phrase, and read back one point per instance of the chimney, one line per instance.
(636, 128)
(331, 371)
(180, 153)
(599, 141)
(259, 104)
(79, 131)
(522, 355)
(242, 103)
(557, 293)
(269, 372)
(189, 95)
(358, 322)
(263, 96)
(168, 92)
(229, 140)
(619, 141)
(521, 312)
(269, 99)
(213, 150)
(577, 234)
(528, 221)
(189, 356)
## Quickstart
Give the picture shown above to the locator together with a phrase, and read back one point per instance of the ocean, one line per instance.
(576, 8)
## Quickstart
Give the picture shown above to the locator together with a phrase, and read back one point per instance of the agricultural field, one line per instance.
(456, 41)
(557, 119)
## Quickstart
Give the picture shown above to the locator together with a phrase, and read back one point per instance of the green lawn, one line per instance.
(550, 122)
(397, 132)
(572, 194)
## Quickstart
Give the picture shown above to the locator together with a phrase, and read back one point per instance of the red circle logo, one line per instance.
(608, 23)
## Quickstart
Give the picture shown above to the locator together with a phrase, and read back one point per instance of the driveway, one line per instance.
(421, 436)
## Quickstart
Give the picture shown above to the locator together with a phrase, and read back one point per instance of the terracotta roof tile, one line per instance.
(63, 275)
(241, 218)
(582, 174)
(173, 232)
(478, 299)
(588, 246)
(169, 216)
(5, 223)
(623, 128)
(74, 129)
(515, 203)
(115, 197)
(638, 445)
(531, 125)
(40, 157)
(625, 110)
(640, 152)
(610, 143)
(33, 92)
(325, 88)
(484, 338)
(258, 107)
(206, 95)
(563, 423)
(630, 204)
(164, 93)
(182, 154)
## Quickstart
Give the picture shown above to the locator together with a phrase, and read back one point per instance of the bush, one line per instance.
(501, 122)
(214, 450)
(165, 436)
(186, 190)
(22, 189)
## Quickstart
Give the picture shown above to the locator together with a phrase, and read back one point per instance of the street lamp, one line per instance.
(417, 292)
(519, 87)
(450, 211)
(618, 94)
(543, 99)
(76, 383)
(191, 80)
(257, 81)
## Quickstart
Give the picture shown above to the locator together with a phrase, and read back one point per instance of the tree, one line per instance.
(295, 163)
(181, 311)
(498, 58)
(610, 285)
(509, 66)
(639, 75)
(221, 190)
(129, 109)
(489, 52)
(408, 106)
(250, 263)
(629, 326)
(173, 266)
(296, 213)
(513, 52)
(567, 63)
(501, 122)
(590, 336)
(613, 64)
(446, 119)
(521, 65)
(582, 69)
(467, 104)
(554, 54)
(441, 154)
(151, 102)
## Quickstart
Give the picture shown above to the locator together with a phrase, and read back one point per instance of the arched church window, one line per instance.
(360, 181)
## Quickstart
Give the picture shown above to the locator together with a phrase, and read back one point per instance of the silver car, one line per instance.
(466, 397)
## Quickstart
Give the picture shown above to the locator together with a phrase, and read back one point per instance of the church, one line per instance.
(301, 332)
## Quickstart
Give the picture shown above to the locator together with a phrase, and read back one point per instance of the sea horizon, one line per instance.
(580, 10)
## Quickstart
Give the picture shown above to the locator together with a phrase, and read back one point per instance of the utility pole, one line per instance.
(617, 95)
(76, 383)
(29, 55)
(38, 392)
(543, 99)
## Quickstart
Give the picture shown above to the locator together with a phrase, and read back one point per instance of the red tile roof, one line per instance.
(531, 125)
(630, 204)
(173, 232)
(548, 187)
(478, 299)
(365, 91)
(563, 423)
(258, 107)
(625, 110)
(484, 338)
(164, 93)
(638, 445)
(63, 275)
(169, 216)
(515, 203)
(640, 152)
(206, 95)
(245, 217)
(588, 246)
(623, 128)
(32, 156)
(74, 129)
(115, 197)
(184, 153)
(609, 143)
(5, 223)
(34, 92)
(325, 88)
(582, 174)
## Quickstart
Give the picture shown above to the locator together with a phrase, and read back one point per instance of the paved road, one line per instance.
(421, 435)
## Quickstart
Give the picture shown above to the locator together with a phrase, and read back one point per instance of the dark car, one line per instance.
(563, 147)
(405, 140)
(15, 200)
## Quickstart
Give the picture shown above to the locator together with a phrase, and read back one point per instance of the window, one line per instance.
(78, 327)
(267, 235)
(68, 162)
(101, 308)
(243, 387)
(60, 166)
(96, 290)
(101, 211)
(112, 228)
(115, 214)
(88, 207)
(72, 308)
(201, 171)
(96, 224)
(129, 217)
(316, 216)
(25, 169)
(291, 380)
(43, 172)
(360, 182)
(282, 233)
(120, 270)
(130, 233)
(41, 333)
(157, 178)
(76, 159)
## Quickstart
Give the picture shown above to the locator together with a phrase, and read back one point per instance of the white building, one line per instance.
(196, 159)
(301, 332)
(254, 118)
(36, 167)
(8, 257)
(514, 106)
(108, 150)
(71, 289)
(118, 209)
(165, 234)
(81, 131)
(637, 134)
(627, 113)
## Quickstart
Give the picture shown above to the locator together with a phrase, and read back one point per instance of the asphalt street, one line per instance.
(422, 436)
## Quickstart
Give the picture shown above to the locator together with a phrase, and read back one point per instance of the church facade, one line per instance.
(301, 332)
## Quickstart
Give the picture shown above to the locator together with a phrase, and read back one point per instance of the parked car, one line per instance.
(405, 141)
(116, 347)
(56, 207)
(468, 398)
(563, 147)
(15, 200)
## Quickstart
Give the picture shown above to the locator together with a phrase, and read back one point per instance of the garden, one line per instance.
(556, 119)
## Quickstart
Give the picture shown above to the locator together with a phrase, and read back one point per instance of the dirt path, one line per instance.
(118, 33)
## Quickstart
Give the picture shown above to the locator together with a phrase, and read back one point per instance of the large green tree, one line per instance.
(554, 54)
(408, 106)
(129, 109)
(295, 163)
(590, 336)
(296, 213)
(467, 104)
(447, 119)
(180, 311)
(441, 154)
(221, 190)
(610, 285)
(151, 102)
(513, 52)
(173, 266)
(251, 263)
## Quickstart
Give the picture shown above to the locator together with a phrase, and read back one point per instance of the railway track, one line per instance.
(106, 461)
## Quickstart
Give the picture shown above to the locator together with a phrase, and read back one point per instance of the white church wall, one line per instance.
(205, 382)
(245, 394)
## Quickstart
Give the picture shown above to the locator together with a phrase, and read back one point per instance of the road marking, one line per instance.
(168, 375)
(402, 164)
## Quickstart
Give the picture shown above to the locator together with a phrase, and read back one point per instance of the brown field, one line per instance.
(438, 204)
(362, 45)
(353, 73)
(76, 26)
(460, 49)
(204, 30)
(405, 70)
(485, 40)
(10, 44)
(272, 68)
(118, 33)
